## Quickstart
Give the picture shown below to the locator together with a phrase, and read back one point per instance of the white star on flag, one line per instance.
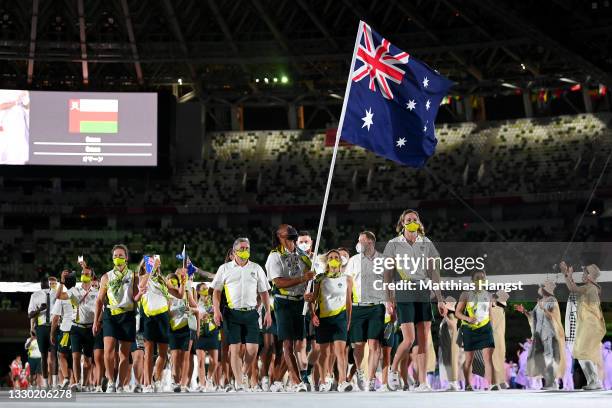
(401, 142)
(428, 104)
(367, 119)
(425, 82)
(425, 128)
(411, 105)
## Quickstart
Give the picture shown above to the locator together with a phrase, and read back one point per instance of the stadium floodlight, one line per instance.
(180, 81)
(256, 80)
(284, 79)
(336, 96)
(523, 67)
(266, 80)
(275, 79)
(507, 85)
(568, 80)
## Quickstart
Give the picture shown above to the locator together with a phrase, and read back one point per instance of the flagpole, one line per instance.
(333, 161)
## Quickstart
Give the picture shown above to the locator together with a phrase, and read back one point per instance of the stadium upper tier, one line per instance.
(504, 158)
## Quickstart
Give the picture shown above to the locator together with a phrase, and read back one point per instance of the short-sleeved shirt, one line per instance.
(63, 308)
(37, 299)
(241, 284)
(285, 264)
(422, 248)
(84, 304)
(361, 269)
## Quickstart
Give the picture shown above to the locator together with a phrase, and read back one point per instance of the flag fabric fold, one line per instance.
(392, 101)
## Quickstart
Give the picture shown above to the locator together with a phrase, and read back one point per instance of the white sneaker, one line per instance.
(594, 386)
(453, 386)
(229, 388)
(184, 388)
(265, 384)
(256, 388)
(345, 387)
(76, 387)
(239, 388)
(98, 388)
(423, 387)
(301, 387)
(277, 387)
(209, 387)
(147, 389)
(64, 385)
(393, 383)
(157, 386)
(360, 380)
(120, 390)
(384, 388)
(111, 387)
(372, 385)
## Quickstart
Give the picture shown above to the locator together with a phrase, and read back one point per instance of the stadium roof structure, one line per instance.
(280, 51)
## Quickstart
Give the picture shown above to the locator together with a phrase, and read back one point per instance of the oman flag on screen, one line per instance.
(93, 115)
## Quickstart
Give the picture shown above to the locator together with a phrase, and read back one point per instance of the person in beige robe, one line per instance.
(448, 349)
(546, 356)
(591, 324)
(498, 321)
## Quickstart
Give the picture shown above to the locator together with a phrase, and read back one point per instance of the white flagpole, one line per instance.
(333, 161)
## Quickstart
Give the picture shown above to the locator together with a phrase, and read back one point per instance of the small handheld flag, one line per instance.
(149, 263)
(191, 268)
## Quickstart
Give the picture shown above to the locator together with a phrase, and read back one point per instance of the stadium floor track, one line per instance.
(501, 399)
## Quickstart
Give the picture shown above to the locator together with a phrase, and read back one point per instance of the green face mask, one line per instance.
(334, 263)
(412, 226)
(243, 254)
(85, 278)
(119, 261)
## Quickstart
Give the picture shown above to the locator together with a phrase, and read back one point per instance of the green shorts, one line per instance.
(179, 339)
(35, 365)
(156, 328)
(121, 327)
(63, 337)
(272, 328)
(241, 326)
(332, 329)
(43, 335)
(289, 319)
(478, 339)
(414, 312)
(367, 323)
(99, 340)
(82, 340)
(208, 340)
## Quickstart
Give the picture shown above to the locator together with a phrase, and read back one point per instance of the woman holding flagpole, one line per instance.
(413, 307)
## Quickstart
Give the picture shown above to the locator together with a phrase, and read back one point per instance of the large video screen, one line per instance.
(78, 128)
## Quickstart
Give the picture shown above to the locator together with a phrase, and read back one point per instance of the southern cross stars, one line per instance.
(401, 142)
(411, 105)
(428, 105)
(367, 119)
(425, 82)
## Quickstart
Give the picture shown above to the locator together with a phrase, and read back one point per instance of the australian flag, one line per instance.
(392, 101)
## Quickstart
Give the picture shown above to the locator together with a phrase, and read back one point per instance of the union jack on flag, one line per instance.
(391, 101)
(378, 64)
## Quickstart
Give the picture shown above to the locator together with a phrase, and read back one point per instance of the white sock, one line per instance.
(54, 379)
(44, 382)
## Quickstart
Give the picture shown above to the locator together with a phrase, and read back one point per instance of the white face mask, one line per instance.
(359, 248)
(344, 260)
(304, 246)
